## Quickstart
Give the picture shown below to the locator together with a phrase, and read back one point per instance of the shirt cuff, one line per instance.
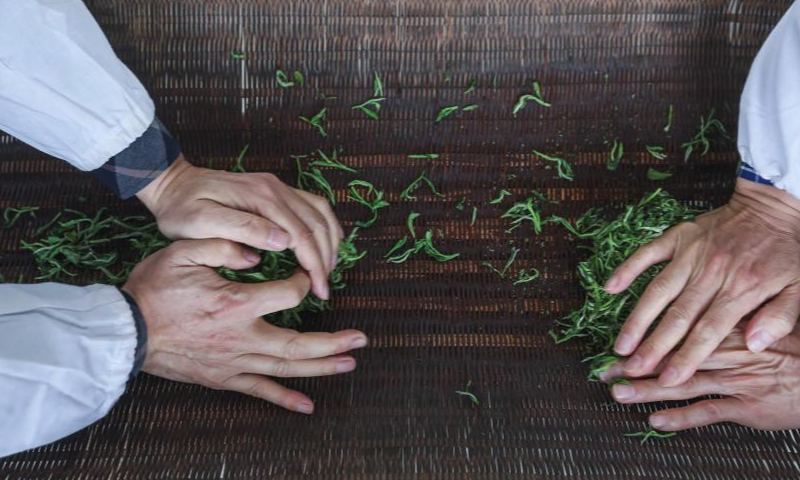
(141, 334)
(143, 161)
(747, 172)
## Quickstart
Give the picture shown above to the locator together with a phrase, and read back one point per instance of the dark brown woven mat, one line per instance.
(611, 69)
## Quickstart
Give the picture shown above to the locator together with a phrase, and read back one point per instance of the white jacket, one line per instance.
(66, 352)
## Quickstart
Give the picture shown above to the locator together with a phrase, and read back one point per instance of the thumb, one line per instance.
(270, 297)
(774, 320)
(212, 253)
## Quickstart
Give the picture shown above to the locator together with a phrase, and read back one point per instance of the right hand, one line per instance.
(206, 330)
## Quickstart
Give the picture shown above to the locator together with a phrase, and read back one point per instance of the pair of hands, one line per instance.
(741, 260)
(207, 330)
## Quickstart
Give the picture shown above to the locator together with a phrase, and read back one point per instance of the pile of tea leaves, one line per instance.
(611, 242)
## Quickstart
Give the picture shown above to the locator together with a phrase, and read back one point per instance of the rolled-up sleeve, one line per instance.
(769, 118)
(62, 88)
(66, 354)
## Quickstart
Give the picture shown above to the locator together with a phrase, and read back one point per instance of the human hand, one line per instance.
(207, 330)
(759, 390)
(723, 266)
(256, 209)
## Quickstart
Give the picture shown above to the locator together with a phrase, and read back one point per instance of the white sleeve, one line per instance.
(62, 88)
(65, 355)
(769, 118)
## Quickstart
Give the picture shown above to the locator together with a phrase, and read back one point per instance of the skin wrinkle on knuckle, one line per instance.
(293, 349)
(281, 368)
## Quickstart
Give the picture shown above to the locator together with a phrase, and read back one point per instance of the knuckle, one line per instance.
(711, 411)
(281, 369)
(659, 286)
(225, 299)
(295, 295)
(707, 333)
(293, 350)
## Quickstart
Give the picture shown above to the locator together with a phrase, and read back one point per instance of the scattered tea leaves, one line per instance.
(653, 174)
(406, 194)
(511, 258)
(709, 127)
(238, 55)
(424, 244)
(426, 156)
(316, 121)
(331, 161)
(656, 151)
(469, 108)
(410, 223)
(371, 198)
(670, 117)
(12, 215)
(563, 167)
(536, 96)
(238, 167)
(525, 277)
(370, 107)
(474, 216)
(503, 194)
(615, 156)
(446, 112)
(466, 393)
(651, 433)
(471, 86)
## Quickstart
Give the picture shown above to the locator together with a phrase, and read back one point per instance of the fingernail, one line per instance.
(345, 366)
(251, 256)
(759, 341)
(623, 392)
(306, 408)
(615, 371)
(633, 364)
(611, 284)
(624, 344)
(359, 342)
(279, 240)
(669, 377)
(326, 292)
(657, 421)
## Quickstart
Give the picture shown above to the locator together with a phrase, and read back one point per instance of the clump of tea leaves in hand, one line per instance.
(609, 243)
(281, 265)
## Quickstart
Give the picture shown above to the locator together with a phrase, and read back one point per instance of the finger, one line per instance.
(657, 251)
(264, 388)
(304, 245)
(700, 414)
(659, 293)
(251, 300)
(710, 331)
(673, 327)
(774, 320)
(334, 227)
(242, 227)
(317, 224)
(278, 367)
(291, 345)
(212, 253)
(645, 391)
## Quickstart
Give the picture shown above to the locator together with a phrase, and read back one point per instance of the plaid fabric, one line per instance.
(749, 173)
(143, 161)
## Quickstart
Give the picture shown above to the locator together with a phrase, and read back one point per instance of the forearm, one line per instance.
(66, 354)
(62, 88)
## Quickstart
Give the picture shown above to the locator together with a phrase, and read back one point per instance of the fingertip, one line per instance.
(625, 344)
(612, 284)
(250, 256)
(660, 421)
(278, 239)
(321, 288)
(305, 406)
(759, 341)
(614, 371)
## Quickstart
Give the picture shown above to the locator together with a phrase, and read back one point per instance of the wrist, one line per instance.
(778, 207)
(151, 195)
(140, 353)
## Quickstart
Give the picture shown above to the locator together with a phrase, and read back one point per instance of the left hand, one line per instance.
(759, 390)
(255, 209)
